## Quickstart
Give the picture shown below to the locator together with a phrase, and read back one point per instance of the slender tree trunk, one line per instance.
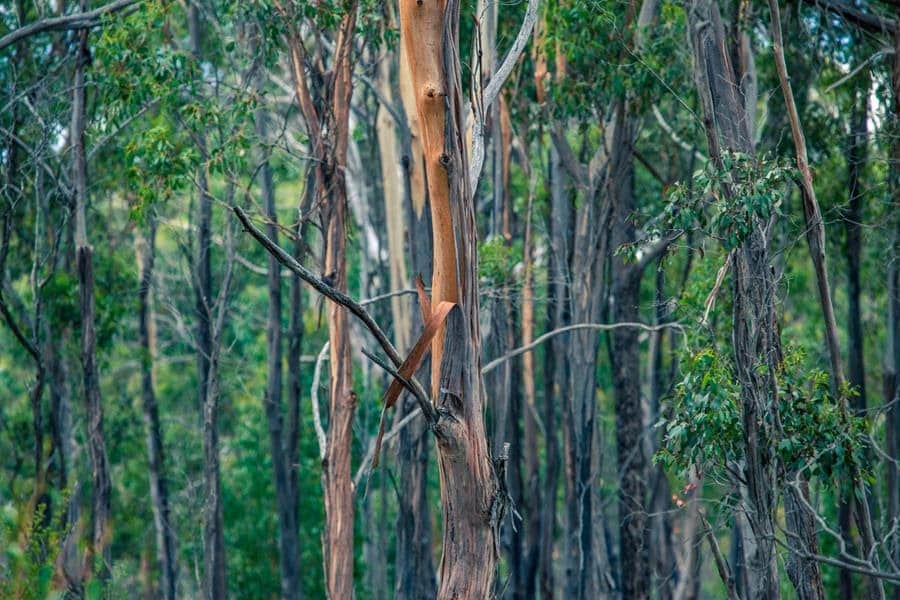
(414, 563)
(856, 158)
(530, 499)
(288, 543)
(166, 546)
(807, 570)
(336, 472)
(892, 360)
(624, 356)
(100, 507)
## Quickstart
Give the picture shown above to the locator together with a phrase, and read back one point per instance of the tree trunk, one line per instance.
(755, 334)
(470, 500)
(852, 217)
(892, 360)
(100, 507)
(414, 563)
(166, 546)
(815, 238)
(286, 502)
(337, 477)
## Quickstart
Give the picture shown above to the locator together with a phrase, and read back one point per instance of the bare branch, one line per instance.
(340, 298)
(600, 326)
(81, 20)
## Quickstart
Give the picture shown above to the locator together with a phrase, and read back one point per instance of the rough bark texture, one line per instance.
(327, 124)
(414, 563)
(755, 334)
(98, 549)
(624, 356)
(806, 575)
(336, 469)
(166, 541)
(470, 501)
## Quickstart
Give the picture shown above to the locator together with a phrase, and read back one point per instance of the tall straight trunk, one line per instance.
(286, 502)
(471, 504)
(531, 493)
(804, 572)
(892, 360)
(852, 216)
(214, 581)
(625, 346)
(755, 335)
(98, 548)
(555, 366)
(624, 354)
(327, 123)
(336, 472)
(414, 563)
(166, 544)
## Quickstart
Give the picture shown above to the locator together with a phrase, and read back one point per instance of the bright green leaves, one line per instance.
(726, 203)
(497, 261)
(704, 427)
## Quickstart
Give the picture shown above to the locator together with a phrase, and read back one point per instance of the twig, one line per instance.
(314, 396)
(342, 299)
(601, 326)
(366, 465)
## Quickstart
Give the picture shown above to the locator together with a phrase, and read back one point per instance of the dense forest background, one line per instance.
(548, 298)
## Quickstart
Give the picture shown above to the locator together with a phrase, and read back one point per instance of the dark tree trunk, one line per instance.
(166, 547)
(414, 562)
(100, 506)
(755, 333)
(286, 502)
(892, 360)
(856, 159)
(624, 354)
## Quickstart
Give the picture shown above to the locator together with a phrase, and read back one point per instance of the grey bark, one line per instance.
(755, 334)
(100, 505)
(286, 502)
(166, 542)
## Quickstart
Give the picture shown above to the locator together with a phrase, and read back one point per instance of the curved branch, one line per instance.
(82, 20)
(492, 90)
(601, 326)
(341, 298)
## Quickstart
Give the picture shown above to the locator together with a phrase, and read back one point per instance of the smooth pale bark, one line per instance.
(471, 505)
(166, 541)
(394, 213)
(98, 549)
